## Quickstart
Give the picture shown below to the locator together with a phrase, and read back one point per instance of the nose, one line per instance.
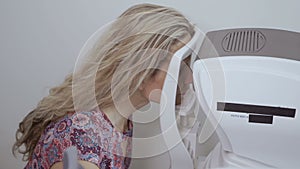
(189, 76)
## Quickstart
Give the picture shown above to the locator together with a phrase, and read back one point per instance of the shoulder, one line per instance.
(81, 130)
(90, 119)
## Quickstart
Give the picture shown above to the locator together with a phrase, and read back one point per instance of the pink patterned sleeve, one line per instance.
(90, 133)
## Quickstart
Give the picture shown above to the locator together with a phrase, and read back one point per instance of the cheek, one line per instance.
(155, 95)
(153, 89)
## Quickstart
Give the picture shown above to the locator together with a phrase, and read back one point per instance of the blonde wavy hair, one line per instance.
(127, 46)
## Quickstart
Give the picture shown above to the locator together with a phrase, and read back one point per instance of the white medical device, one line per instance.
(246, 83)
(243, 109)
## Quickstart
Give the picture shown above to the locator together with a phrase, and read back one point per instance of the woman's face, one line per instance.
(152, 88)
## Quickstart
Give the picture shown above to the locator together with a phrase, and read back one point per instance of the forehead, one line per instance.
(180, 43)
(173, 49)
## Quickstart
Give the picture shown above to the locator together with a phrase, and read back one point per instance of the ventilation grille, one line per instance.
(250, 41)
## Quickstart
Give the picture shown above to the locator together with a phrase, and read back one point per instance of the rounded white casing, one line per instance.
(252, 80)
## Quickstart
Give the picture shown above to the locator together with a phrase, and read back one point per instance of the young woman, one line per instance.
(90, 108)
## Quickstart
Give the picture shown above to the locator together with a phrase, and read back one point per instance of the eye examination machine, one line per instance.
(242, 109)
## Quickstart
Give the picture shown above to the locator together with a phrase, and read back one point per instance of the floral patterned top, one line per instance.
(93, 134)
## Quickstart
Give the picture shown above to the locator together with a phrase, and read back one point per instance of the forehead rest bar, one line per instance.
(252, 41)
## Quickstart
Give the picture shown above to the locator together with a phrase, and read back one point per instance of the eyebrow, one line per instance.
(187, 60)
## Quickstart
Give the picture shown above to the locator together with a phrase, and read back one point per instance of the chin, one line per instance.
(178, 100)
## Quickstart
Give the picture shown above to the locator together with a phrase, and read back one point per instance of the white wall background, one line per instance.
(40, 40)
